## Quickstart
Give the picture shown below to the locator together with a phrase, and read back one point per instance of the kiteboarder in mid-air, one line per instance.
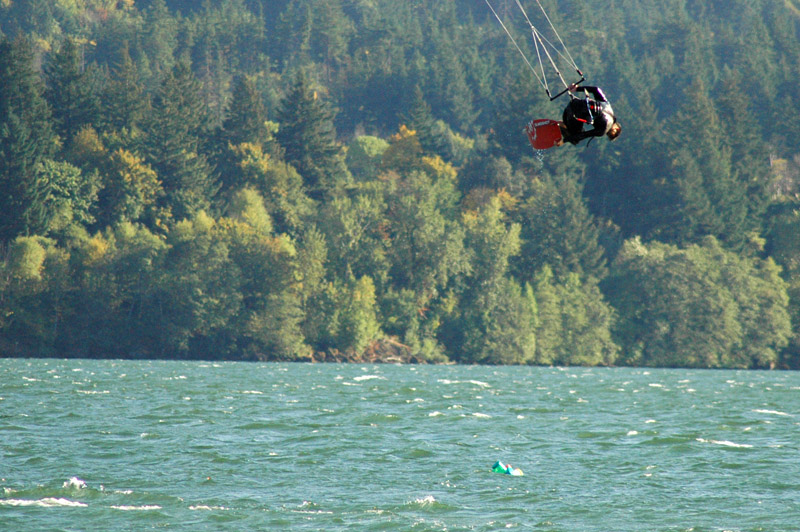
(595, 112)
(583, 118)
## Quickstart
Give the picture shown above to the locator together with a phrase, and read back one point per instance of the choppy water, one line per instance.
(111, 445)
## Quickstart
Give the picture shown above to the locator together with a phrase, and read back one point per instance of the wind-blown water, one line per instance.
(113, 445)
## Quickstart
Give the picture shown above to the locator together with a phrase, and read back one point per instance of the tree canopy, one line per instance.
(306, 179)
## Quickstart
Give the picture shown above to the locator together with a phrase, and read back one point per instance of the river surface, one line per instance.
(131, 445)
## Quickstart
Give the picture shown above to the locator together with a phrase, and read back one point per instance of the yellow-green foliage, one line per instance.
(404, 152)
(253, 162)
(247, 206)
(364, 155)
(359, 322)
(439, 169)
(26, 258)
(135, 177)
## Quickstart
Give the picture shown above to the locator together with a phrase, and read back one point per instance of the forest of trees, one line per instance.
(300, 179)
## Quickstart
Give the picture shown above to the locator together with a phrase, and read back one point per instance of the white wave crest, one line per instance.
(207, 508)
(47, 502)
(75, 483)
(368, 378)
(476, 383)
(725, 443)
(146, 507)
(773, 412)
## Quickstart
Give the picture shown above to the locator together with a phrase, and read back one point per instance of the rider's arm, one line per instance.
(585, 135)
(598, 130)
(596, 92)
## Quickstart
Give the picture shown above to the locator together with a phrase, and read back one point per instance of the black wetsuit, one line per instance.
(595, 112)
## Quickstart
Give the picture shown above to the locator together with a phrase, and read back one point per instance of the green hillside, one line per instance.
(349, 180)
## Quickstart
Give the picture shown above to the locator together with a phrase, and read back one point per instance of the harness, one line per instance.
(593, 109)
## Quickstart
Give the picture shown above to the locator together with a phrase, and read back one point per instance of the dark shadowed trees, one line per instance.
(26, 140)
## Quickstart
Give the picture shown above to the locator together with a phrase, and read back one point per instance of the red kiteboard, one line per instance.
(544, 133)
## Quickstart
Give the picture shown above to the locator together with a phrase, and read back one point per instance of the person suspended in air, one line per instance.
(583, 118)
(587, 117)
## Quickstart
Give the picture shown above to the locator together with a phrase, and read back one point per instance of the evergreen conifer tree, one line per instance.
(558, 231)
(31, 16)
(71, 91)
(245, 123)
(421, 120)
(308, 136)
(330, 38)
(159, 38)
(125, 103)
(514, 106)
(26, 139)
(176, 132)
(247, 115)
(747, 147)
(710, 201)
(637, 194)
